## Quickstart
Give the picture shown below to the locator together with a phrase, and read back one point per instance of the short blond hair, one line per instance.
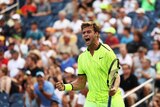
(95, 27)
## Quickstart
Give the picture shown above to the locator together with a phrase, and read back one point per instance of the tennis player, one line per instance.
(93, 66)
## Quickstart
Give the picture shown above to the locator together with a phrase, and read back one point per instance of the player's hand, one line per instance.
(60, 86)
(112, 91)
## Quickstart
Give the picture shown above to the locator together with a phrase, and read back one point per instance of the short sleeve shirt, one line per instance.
(96, 69)
(49, 88)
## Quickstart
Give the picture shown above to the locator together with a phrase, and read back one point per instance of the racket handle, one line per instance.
(109, 101)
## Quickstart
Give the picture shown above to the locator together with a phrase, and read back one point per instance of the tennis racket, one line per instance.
(112, 74)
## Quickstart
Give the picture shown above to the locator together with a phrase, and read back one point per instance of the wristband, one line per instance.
(68, 87)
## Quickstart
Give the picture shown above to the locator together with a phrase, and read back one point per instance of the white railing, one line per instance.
(9, 8)
(136, 89)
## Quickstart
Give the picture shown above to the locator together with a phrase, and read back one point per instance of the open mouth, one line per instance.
(87, 39)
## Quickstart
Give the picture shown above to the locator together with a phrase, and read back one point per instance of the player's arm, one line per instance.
(114, 89)
(77, 84)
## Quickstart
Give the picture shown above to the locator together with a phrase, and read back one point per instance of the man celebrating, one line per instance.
(44, 92)
(93, 67)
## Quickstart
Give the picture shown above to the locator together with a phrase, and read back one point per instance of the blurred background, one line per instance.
(45, 35)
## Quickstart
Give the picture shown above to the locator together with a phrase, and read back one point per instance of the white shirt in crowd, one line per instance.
(16, 64)
(153, 56)
(126, 60)
(61, 24)
(130, 5)
(76, 26)
(81, 99)
(156, 33)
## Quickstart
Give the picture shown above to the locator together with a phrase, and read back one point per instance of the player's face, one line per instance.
(89, 35)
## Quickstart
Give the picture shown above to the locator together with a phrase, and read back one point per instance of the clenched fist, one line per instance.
(60, 86)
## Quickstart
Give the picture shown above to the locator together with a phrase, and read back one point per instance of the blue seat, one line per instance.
(16, 100)
(4, 99)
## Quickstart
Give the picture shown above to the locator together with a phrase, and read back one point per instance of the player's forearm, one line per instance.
(79, 83)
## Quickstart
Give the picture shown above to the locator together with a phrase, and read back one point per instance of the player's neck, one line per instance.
(93, 47)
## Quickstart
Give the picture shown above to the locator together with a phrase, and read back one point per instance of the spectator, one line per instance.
(43, 8)
(155, 101)
(140, 22)
(128, 82)
(28, 9)
(34, 35)
(46, 52)
(68, 42)
(144, 73)
(130, 6)
(82, 97)
(67, 60)
(97, 3)
(156, 31)
(71, 7)
(69, 74)
(137, 59)
(3, 60)
(4, 28)
(69, 98)
(16, 61)
(104, 15)
(5, 84)
(32, 66)
(44, 91)
(127, 36)
(17, 31)
(62, 23)
(124, 57)
(111, 39)
(120, 17)
(7, 53)
(76, 24)
(49, 35)
(137, 42)
(154, 54)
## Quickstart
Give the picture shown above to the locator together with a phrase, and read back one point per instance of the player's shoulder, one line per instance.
(83, 54)
(106, 47)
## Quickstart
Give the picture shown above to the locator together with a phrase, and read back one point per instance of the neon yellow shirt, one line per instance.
(96, 69)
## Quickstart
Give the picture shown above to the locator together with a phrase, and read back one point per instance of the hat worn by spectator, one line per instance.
(127, 20)
(35, 52)
(69, 70)
(16, 17)
(40, 73)
(28, 72)
(110, 30)
(140, 10)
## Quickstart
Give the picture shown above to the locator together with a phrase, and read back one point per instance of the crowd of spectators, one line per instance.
(41, 39)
